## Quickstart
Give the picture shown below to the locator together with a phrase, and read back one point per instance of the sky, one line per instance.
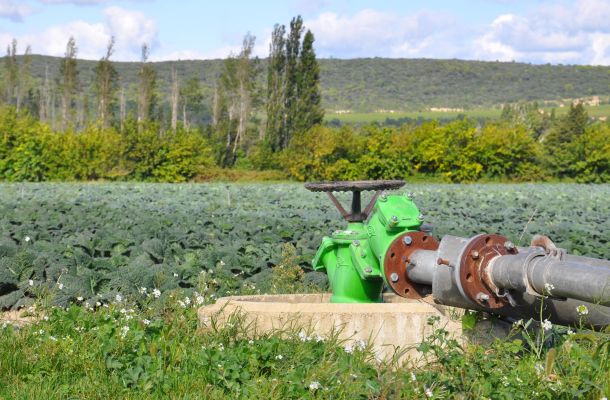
(533, 31)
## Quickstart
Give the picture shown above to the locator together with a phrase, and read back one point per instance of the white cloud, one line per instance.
(555, 33)
(371, 33)
(130, 29)
(83, 2)
(14, 11)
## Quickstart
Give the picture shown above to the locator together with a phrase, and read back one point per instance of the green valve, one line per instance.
(354, 258)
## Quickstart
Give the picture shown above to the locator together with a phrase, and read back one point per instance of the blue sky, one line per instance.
(536, 31)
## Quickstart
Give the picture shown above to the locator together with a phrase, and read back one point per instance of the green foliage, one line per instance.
(97, 240)
(158, 351)
(30, 151)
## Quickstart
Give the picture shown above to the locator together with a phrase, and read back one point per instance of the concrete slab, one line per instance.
(396, 323)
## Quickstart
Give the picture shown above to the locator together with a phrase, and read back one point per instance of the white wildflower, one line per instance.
(199, 300)
(181, 304)
(315, 385)
(146, 321)
(518, 323)
(31, 282)
(429, 392)
(41, 332)
(118, 298)
(539, 368)
(548, 287)
(547, 325)
(279, 357)
(124, 331)
(319, 339)
(27, 238)
(156, 293)
(582, 310)
(60, 286)
(79, 298)
(570, 332)
(250, 341)
(222, 263)
(360, 344)
(175, 275)
(221, 347)
(142, 290)
(348, 348)
(303, 337)
(98, 304)
(53, 338)
(413, 377)
(187, 301)
(46, 317)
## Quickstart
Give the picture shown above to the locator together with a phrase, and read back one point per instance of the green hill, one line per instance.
(371, 84)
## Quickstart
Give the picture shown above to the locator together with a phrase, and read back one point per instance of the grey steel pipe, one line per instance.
(578, 278)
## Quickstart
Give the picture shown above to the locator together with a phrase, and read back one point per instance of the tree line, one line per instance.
(244, 116)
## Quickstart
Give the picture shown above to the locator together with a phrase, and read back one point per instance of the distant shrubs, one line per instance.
(30, 151)
(459, 151)
(508, 149)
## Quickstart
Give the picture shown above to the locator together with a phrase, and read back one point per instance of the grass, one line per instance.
(119, 351)
(477, 113)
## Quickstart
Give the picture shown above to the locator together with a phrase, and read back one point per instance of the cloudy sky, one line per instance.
(535, 31)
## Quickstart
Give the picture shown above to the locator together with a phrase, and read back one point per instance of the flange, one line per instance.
(475, 257)
(397, 257)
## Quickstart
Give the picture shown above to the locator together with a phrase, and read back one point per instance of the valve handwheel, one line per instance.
(356, 187)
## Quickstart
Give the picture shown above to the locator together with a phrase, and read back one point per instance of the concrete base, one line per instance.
(396, 323)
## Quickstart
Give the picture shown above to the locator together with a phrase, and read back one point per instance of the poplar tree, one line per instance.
(68, 83)
(105, 85)
(11, 72)
(309, 110)
(24, 80)
(293, 43)
(276, 69)
(147, 85)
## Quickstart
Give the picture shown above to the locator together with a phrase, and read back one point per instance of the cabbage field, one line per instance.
(94, 241)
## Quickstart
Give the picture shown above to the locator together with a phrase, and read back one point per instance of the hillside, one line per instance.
(365, 85)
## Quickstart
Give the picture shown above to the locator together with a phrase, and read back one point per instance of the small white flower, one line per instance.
(548, 287)
(319, 339)
(199, 300)
(413, 377)
(31, 282)
(175, 275)
(46, 317)
(27, 238)
(98, 304)
(181, 304)
(79, 298)
(582, 310)
(222, 263)
(547, 325)
(41, 332)
(118, 298)
(539, 368)
(53, 338)
(250, 341)
(221, 347)
(60, 286)
(360, 344)
(142, 290)
(303, 337)
(429, 392)
(518, 323)
(279, 357)
(187, 301)
(146, 322)
(124, 331)
(156, 293)
(315, 385)
(348, 348)
(570, 332)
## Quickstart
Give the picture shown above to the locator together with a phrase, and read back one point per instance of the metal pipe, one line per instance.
(574, 278)
(422, 266)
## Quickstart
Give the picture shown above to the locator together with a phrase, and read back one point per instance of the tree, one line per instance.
(191, 98)
(309, 111)
(147, 85)
(24, 79)
(293, 43)
(562, 146)
(174, 97)
(68, 83)
(105, 85)
(11, 72)
(276, 69)
(236, 91)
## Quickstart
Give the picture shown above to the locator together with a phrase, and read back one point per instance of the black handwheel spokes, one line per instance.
(356, 214)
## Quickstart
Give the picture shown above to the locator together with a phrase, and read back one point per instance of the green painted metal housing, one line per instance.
(353, 258)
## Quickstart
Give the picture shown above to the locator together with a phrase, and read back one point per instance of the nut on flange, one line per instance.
(397, 257)
(473, 277)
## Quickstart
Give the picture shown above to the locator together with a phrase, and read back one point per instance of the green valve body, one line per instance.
(354, 258)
